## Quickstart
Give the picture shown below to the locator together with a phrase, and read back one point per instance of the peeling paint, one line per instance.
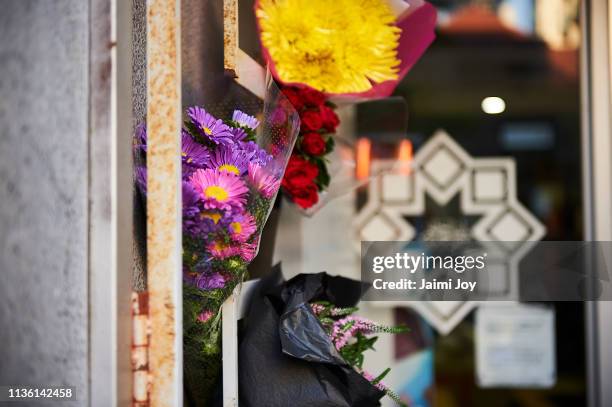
(230, 34)
(163, 202)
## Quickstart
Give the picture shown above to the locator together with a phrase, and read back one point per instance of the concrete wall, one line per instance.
(43, 192)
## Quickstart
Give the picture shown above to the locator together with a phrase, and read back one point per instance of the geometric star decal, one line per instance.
(486, 190)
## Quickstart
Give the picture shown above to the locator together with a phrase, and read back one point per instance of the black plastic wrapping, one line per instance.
(285, 356)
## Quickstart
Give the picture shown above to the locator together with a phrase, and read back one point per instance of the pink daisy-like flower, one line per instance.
(219, 190)
(222, 250)
(205, 316)
(242, 227)
(212, 128)
(248, 251)
(229, 160)
(266, 183)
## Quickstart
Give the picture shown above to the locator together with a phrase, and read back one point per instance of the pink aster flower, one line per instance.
(219, 190)
(242, 227)
(248, 251)
(266, 183)
(210, 127)
(222, 250)
(205, 316)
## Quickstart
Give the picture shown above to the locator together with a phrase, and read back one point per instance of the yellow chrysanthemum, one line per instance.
(336, 46)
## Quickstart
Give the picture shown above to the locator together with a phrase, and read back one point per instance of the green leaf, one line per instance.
(323, 178)
(330, 143)
(381, 376)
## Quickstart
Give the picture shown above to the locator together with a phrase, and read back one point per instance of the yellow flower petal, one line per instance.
(334, 46)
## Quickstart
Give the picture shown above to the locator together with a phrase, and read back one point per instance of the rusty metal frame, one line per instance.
(236, 62)
(164, 201)
(230, 35)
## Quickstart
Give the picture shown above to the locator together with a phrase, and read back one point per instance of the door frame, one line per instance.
(596, 90)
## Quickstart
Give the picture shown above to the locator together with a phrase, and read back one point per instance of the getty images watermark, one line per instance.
(486, 271)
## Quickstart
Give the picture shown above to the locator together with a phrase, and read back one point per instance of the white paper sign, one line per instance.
(515, 346)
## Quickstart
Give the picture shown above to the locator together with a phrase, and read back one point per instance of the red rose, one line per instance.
(313, 144)
(299, 172)
(312, 97)
(311, 120)
(299, 183)
(305, 197)
(294, 97)
(330, 118)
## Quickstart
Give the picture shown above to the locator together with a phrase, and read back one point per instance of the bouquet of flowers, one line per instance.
(345, 48)
(307, 173)
(231, 172)
(300, 337)
(352, 336)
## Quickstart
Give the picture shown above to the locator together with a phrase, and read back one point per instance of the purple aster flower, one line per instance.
(266, 183)
(245, 120)
(196, 222)
(190, 199)
(191, 211)
(187, 171)
(238, 134)
(140, 138)
(212, 281)
(141, 179)
(255, 153)
(219, 190)
(210, 127)
(229, 160)
(192, 152)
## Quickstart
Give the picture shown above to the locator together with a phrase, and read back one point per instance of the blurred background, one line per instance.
(515, 78)
(523, 56)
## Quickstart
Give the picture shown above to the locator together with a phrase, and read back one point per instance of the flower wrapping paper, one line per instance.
(232, 166)
(285, 356)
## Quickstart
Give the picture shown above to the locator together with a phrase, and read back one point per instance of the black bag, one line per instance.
(286, 359)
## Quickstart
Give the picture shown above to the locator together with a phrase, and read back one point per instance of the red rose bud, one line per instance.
(311, 120)
(312, 97)
(294, 97)
(313, 144)
(330, 118)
